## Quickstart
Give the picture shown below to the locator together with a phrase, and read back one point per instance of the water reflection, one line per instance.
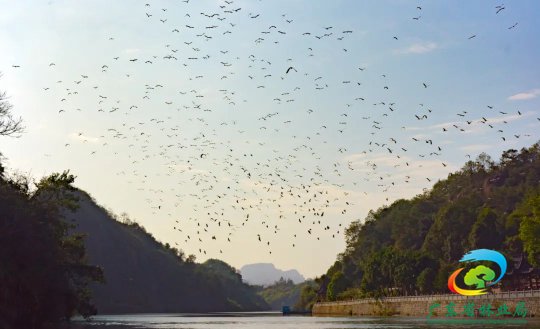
(271, 321)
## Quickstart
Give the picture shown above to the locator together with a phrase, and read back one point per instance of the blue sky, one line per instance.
(206, 127)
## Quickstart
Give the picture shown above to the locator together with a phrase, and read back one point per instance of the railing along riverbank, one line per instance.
(435, 297)
(420, 305)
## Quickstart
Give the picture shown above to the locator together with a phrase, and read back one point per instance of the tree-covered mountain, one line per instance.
(412, 245)
(144, 275)
(284, 292)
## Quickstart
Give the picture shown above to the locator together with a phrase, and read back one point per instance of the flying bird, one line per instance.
(289, 69)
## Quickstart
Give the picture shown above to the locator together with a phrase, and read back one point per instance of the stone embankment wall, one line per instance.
(419, 306)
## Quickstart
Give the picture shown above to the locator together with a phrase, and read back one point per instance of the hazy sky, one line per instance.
(182, 114)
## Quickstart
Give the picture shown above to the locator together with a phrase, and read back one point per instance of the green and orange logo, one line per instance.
(481, 276)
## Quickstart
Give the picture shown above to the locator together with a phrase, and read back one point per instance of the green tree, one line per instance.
(486, 231)
(447, 238)
(425, 280)
(529, 230)
(308, 297)
(337, 285)
(43, 271)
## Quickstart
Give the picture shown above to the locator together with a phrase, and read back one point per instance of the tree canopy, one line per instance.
(44, 275)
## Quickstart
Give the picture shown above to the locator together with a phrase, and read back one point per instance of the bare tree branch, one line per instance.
(9, 126)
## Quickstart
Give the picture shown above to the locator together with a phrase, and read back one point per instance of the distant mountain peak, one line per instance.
(266, 274)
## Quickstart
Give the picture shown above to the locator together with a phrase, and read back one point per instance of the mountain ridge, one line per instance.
(267, 274)
(144, 276)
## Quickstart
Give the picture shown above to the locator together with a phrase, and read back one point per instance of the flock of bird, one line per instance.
(193, 137)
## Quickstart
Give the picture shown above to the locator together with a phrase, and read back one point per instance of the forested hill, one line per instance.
(143, 275)
(412, 245)
(285, 292)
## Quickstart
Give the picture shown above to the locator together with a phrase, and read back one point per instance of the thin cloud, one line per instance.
(511, 117)
(420, 136)
(83, 138)
(131, 50)
(525, 95)
(475, 147)
(419, 48)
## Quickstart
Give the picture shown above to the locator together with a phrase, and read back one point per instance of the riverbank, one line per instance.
(517, 303)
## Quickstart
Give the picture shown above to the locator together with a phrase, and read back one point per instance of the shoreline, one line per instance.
(437, 305)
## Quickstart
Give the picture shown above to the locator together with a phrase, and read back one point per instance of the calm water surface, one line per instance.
(271, 321)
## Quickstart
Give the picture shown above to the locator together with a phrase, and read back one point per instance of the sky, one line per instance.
(257, 131)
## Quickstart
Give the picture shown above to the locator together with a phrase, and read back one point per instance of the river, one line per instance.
(277, 321)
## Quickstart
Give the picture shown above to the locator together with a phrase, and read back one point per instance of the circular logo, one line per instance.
(481, 276)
